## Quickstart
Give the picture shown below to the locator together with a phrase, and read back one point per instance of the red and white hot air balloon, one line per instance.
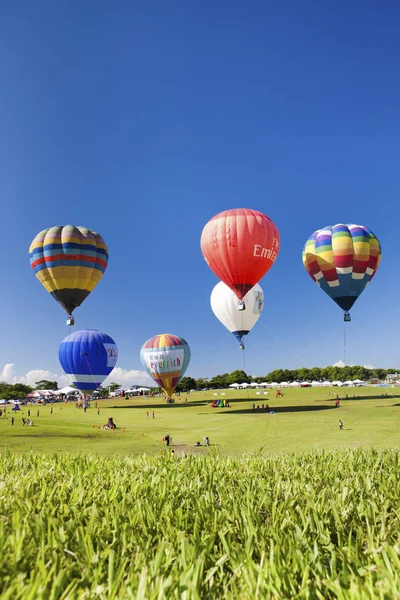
(240, 245)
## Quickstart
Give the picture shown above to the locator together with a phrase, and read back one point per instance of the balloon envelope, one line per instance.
(224, 305)
(240, 246)
(88, 357)
(342, 260)
(166, 358)
(69, 262)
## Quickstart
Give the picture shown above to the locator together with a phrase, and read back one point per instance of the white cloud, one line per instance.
(30, 378)
(127, 378)
(340, 363)
(121, 376)
(8, 372)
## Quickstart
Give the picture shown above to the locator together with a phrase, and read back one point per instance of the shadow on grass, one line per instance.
(357, 398)
(157, 406)
(276, 409)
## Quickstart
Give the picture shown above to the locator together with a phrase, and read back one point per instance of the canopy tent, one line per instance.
(244, 385)
(295, 384)
(264, 384)
(316, 383)
(67, 390)
(305, 384)
(137, 390)
(254, 384)
(359, 382)
(234, 385)
(338, 383)
(327, 383)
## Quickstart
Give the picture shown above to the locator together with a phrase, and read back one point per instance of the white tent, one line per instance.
(359, 382)
(264, 384)
(295, 384)
(338, 383)
(327, 383)
(67, 390)
(316, 383)
(244, 385)
(254, 384)
(234, 385)
(274, 384)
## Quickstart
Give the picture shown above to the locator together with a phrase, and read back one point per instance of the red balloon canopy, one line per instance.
(240, 246)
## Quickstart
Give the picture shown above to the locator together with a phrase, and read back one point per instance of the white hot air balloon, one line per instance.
(238, 319)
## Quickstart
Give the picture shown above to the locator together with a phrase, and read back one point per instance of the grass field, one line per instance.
(282, 505)
(305, 419)
(323, 525)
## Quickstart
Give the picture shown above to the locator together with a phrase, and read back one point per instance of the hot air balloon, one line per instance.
(69, 262)
(342, 260)
(88, 357)
(240, 246)
(224, 305)
(166, 358)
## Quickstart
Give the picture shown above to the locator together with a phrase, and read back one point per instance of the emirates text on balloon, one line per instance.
(261, 252)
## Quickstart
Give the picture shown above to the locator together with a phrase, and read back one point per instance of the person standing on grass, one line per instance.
(51, 410)
(98, 411)
(12, 420)
(29, 412)
(37, 413)
(153, 415)
(340, 424)
(147, 414)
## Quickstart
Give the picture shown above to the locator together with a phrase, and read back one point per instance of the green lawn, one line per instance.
(305, 419)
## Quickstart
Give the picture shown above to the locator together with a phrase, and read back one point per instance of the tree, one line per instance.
(238, 376)
(201, 383)
(113, 386)
(14, 392)
(186, 384)
(45, 384)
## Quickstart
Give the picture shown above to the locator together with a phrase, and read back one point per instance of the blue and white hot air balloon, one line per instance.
(88, 357)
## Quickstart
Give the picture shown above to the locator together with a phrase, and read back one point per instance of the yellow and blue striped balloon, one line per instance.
(69, 262)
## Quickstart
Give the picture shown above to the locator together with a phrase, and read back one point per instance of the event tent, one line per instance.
(67, 390)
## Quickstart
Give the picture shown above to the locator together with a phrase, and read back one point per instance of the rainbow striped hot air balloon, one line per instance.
(342, 260)
(69, 262)
(166, 358)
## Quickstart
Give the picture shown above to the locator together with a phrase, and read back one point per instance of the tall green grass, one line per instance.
(320, 525)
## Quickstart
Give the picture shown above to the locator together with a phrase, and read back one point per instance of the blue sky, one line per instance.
(143, 120)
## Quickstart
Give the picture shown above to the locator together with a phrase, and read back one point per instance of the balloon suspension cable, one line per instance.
(90, 369)
(344, 344)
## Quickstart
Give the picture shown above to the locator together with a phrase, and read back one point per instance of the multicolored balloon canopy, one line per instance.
(88, 357)
(342, 260)
(69, 262)
(239, 322)
(166, 358)
(240, 246)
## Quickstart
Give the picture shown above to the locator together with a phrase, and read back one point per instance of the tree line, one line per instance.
(346, 373)
(16, 391)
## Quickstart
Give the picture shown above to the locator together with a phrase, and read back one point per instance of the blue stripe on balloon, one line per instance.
(69, 246)
(68, 263)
